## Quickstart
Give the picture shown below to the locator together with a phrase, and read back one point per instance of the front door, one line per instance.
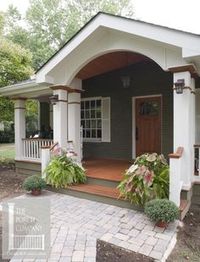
(148, 125)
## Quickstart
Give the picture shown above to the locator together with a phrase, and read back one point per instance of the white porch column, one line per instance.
(184, 126)
(20, 127)
(74, 121)
(60, 116)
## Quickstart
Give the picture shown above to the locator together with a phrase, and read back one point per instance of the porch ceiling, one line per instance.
(110, 62)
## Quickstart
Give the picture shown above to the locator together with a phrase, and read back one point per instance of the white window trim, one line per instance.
(100, 140)
(93, 140)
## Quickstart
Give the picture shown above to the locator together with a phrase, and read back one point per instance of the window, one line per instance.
(95, 119)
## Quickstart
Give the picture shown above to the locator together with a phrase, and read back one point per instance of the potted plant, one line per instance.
(34, 184)
(161, 211)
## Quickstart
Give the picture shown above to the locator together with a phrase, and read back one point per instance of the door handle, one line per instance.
(136, 133)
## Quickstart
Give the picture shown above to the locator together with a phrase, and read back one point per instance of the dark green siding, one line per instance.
(146, 79)
(44, 115)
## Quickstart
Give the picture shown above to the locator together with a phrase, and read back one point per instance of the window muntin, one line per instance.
(91, 119)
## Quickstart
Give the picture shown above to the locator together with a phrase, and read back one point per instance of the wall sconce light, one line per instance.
(53, 99)
(126, 80)
(179, 86)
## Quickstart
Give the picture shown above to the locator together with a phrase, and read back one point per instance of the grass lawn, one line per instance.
(7, 151)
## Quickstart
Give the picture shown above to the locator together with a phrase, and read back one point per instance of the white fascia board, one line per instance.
(154, 32)
(163, 35)
(23, 89)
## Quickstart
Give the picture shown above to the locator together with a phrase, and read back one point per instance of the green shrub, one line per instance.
(63, 171)
(34, 182)
(146, 179)
(161, 210)
(7, 136)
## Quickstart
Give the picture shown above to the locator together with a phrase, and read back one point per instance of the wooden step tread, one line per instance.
(106, 169)
(96, 190)
(103, 176)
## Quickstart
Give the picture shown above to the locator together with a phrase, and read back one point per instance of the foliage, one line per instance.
(15, 63)
(34, 182)
(50, 23)
(2, 22)
(7, 136)
(63, 171)
(146, 179)
(161, 210)
(6, 109)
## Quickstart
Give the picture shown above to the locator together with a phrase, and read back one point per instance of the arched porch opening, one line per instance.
(135, 98)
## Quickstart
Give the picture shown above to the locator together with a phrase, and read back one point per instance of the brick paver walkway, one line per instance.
(76, 224)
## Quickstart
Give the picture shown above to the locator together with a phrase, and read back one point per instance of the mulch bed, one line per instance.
(10, 183)
(10, 186)
(110, 253)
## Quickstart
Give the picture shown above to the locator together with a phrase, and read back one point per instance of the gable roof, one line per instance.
(116, 16)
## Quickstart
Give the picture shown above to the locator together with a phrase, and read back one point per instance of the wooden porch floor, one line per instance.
(107, 169)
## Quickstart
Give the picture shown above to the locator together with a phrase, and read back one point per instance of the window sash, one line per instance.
(91, 119)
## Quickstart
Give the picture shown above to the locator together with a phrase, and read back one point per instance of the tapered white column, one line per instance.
(20, 127)
(60, 116)
(184, 126)
(74, 119)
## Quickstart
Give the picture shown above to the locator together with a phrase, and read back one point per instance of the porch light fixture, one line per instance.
(179, 86)
(53, 99)
(126, 80)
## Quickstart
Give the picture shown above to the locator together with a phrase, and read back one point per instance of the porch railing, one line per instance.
(196, 163)
(32, 148)
(175, 163)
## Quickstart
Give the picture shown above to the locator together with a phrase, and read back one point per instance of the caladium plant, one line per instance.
(146, 179)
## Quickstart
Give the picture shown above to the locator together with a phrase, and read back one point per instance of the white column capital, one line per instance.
(183, 75)
(74, 98)
(19, 103)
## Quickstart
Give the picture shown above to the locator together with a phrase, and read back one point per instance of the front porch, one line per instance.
(118, 89)
(108, 121)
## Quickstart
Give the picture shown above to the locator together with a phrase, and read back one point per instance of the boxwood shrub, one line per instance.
(161, 210)
(34, 182)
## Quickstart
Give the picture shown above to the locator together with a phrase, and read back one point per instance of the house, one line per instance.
(124, 87)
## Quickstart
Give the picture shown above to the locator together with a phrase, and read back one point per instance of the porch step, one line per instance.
(102, 181)
(96, 190)
(184, 208)
(103, 194)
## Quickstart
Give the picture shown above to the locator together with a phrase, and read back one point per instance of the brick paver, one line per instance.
(76, 224)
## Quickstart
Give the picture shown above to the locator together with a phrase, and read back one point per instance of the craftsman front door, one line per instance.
(148, 125)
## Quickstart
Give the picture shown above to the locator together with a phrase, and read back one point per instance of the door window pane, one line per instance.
(151, 108)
